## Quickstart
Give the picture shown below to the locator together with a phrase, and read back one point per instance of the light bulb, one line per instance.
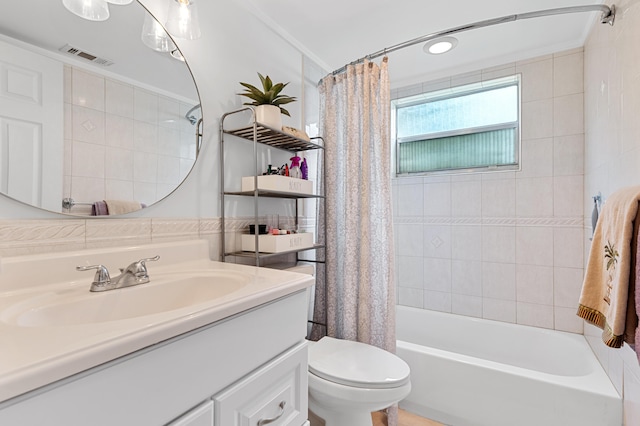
(92, 10)
(153, 35)
(182, 21)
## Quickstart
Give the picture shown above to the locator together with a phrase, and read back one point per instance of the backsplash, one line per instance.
(505, 246)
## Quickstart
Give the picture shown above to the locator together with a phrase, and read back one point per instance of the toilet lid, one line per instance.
(356, 364)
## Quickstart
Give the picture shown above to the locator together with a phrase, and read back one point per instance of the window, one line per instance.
(468, 127)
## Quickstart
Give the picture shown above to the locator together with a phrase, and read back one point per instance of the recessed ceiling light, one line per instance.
(440, 45)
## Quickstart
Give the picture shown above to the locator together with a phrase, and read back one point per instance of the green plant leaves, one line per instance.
(269, 95)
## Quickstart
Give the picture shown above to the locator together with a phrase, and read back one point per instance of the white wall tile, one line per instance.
(568, 193)
(534, 197)
(119, 131)
(118, 189)
(499, 198)
(565, 319)
(631, 397)
(119, 99)
(410, 271)
(534, 245)
(437, 274)
(466, 242)
(499, 281)
(466, 277)
(568, 117)
(568, 155)
(145, 106)
(537, 119)
(537, 158)
(88, 160)
(437, 301)
(534, 284)
(568, 74)
(145, 136)
(88, 125)
(410, 200)
(411, 297)
(466, 198)
(466, 305)
(119, 164)
(87, 90)
(567, 285)
(537, 80)
(437, 199)
(534, 315)
(568, 247)
(410, 238)
(437, 241)
(87, 189)
(509, 254)
(145, 167)
(499, 310)
(499, 244)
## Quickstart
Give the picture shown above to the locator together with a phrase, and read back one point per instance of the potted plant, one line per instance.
(268, 101)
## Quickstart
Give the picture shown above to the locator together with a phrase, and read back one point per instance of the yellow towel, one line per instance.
(605, 296)
(122, 206)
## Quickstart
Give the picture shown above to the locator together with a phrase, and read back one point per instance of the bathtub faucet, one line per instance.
(134, 274)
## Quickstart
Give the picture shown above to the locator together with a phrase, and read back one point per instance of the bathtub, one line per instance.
(469, 371)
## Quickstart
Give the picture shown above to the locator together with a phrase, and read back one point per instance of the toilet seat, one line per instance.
(356, 364)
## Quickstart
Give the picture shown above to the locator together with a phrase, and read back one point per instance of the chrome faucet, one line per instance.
(134, 274)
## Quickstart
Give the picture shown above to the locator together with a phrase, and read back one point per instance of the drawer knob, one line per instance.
(273, 419)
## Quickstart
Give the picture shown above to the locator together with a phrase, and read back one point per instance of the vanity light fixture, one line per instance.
(92, 10)
(154, 36)
(182, 21)
(440, 45)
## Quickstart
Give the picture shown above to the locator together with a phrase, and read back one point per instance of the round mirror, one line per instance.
(96, 117)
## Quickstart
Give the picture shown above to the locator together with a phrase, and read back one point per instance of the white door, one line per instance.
(31, 127)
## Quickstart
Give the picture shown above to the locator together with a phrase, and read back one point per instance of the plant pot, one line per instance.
(269, 115)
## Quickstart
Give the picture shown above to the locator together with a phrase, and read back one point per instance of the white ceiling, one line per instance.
(335, 32)
(48, 25)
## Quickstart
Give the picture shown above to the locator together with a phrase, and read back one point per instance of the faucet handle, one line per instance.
(139, 268)
(101, 277)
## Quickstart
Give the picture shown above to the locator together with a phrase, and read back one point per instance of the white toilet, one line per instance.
(349, 380)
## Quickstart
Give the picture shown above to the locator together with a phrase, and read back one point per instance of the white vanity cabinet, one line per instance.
(237, 371)
(273, 395)
(202, 415)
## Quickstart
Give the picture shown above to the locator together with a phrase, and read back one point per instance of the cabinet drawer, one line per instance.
(274, 395)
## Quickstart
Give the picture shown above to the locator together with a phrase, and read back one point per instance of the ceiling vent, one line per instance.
(85, 55)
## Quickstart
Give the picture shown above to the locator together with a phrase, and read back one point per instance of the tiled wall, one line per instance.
(503, 245)
(612, 156)
(122, 141)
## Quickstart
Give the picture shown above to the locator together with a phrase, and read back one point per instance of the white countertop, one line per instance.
(34, 356)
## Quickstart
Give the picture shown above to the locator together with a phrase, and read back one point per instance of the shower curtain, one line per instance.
(359, 278)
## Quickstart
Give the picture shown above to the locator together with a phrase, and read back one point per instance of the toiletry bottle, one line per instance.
(304, 169)
(294, 170)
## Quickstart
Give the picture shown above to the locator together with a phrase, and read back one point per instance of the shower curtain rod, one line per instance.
(607, 17)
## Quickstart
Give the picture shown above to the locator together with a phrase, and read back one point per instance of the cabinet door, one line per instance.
(274, 395)
(202, 415)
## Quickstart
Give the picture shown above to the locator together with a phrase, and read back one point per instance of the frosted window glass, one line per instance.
(479, 109)
(465, 130)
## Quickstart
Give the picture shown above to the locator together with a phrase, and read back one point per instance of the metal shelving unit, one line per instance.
(261, 134)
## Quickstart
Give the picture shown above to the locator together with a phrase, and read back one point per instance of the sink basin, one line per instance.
(76, 306)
